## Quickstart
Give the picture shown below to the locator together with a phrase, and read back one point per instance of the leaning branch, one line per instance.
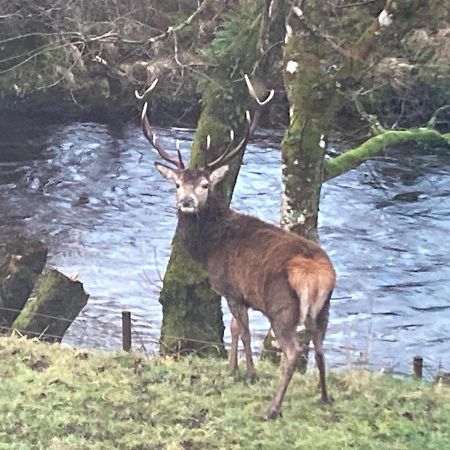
(375, 145)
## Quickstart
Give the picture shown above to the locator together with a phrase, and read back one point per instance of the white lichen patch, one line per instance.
(322, 142)
(301, 219)
(290, 216)
(291, 112)
(291, 66)
(384, 19)
(298, 12)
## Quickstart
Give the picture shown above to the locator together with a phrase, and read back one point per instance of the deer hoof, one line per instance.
(273, 414)
(252, 377)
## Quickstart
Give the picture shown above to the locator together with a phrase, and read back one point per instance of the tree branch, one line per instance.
(373, 146)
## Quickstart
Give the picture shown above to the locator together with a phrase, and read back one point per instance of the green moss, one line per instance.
(54, 398)
(192, 314)
(373, 146)
(56, 296)
(313, 101)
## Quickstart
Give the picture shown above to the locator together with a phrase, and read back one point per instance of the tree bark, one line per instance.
(57, 302)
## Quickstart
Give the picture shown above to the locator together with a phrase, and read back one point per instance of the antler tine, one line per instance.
(150, 89)
(148, 133)
(252, 92)
(229, 153)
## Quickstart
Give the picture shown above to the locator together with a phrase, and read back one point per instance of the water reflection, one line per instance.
(91, 193)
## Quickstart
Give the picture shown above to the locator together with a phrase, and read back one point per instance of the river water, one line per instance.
(91, 193)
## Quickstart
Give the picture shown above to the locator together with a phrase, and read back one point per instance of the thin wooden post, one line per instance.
(418, 367)
(126, 331)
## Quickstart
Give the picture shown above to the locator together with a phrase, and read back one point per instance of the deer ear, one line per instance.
(217, 175)
(166, 171)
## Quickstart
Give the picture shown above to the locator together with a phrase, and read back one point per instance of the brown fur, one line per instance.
(257, 265)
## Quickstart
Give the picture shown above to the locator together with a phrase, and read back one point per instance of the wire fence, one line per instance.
(132, 339)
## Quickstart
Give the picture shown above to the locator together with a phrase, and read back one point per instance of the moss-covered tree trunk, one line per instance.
(312, 87)
(312, 105)
(192, 313)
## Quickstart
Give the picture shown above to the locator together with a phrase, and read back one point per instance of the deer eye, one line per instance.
(204, 185)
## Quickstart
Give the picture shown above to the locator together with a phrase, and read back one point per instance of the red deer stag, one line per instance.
(251, 263)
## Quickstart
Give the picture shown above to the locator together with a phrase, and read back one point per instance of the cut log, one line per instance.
(57, 302)
(21, 262)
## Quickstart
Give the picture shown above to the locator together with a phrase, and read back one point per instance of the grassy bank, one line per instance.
(57, 398)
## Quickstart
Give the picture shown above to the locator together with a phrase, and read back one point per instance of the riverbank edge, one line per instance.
(56, 397)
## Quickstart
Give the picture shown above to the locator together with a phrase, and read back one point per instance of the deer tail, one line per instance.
(313, 281)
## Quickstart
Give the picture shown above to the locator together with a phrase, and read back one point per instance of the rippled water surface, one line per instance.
(90, 192)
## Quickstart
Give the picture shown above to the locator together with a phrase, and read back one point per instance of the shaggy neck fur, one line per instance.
(201, 231)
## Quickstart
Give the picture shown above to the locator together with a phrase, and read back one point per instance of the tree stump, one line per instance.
(57, 302)
(21, 262)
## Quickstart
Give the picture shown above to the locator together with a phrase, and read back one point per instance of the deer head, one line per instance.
(194, 186)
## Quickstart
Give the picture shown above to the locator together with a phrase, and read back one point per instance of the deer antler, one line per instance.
(151, 137)
(150, 89)
(231, 152)
(252, 92)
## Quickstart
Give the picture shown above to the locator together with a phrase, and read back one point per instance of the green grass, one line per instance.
(58, 398)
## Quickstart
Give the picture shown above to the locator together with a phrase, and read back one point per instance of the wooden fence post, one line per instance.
(418, 367)
(126, 331)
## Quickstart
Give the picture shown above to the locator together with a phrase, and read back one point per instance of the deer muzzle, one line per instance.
(188, 205)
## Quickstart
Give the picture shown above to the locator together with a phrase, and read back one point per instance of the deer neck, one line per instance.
(199, 232)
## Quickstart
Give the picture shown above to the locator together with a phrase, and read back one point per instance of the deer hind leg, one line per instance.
(318, 334)
(290, 347)
(240, 318)
(235, 332)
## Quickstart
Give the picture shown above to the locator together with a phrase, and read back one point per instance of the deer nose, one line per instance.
(187, 202)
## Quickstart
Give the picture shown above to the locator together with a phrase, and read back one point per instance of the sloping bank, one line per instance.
(53, 397)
